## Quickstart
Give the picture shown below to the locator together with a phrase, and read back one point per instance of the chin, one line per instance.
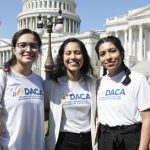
(74, 70)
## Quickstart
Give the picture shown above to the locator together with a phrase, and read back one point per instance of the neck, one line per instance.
(24, 70)
(73, 76)
(111, 74)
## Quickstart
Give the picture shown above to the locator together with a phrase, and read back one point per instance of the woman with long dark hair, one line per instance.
(21, 93)
(70, 98)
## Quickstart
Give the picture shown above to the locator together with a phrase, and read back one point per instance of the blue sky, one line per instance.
(93, 13)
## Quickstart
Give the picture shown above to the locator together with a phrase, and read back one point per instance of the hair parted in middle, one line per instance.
(15, 38)
(115, 41)
(60, 68)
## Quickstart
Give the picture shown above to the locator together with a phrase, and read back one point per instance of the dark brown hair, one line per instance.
(117, 43)
(15, 38)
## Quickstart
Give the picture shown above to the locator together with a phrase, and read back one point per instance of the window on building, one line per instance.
(29, 5)
(45, 4)
(55, 5)
(40, 4)
(67, 7)
(50, 4)
(64, 6)
(59, 4)
(32, 5)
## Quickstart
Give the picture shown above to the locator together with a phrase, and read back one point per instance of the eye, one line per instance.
(78, 52)
(22, 45)
(67, 53)
(113, 50)
(101, 54)
(34, 45)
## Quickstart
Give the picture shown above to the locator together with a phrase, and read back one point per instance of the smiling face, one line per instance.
(110, 58)
(73, 58)
(26, 49)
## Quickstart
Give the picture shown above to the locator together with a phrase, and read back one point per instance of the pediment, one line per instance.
(143, 11)
(5, 42)
(143, 67)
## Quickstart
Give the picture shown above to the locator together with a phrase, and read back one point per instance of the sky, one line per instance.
(93, 13)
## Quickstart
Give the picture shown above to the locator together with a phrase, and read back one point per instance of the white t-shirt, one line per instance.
(24, 112)
(119, 104)
(76, 106)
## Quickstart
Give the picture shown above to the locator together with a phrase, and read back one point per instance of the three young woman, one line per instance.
(22, 112)
(70, 97)
(123, 101)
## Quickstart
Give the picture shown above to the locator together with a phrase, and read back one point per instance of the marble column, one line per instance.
(130, 41)
(140, 51)
(125, 42)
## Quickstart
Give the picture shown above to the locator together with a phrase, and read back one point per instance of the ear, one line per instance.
(13, 50)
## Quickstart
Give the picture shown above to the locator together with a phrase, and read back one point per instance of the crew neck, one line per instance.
(118, 77)
(15, 73)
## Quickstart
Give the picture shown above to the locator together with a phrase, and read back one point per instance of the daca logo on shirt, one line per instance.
(32, 91)
(111, 94)
(76, 97)
(79, 96)
(28, 91)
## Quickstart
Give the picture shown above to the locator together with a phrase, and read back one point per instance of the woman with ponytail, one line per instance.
(123, 101)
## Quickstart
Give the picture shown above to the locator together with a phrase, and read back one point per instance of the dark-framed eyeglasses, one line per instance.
(24, 45)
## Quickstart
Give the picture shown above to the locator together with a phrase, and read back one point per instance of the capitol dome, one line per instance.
(31, 9)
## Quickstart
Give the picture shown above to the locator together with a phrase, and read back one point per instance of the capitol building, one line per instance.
(133, 29)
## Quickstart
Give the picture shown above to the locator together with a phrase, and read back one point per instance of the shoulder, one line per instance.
(3, 79)
(2, 74)
(138, 79)
(51, 82)
(137, 75)
(89, 78)
(38, 77)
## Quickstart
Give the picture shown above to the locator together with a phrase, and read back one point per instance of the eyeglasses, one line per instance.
(24, 45)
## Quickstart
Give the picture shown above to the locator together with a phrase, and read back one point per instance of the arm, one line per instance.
(46, 113)
(46, 100)
(145, 131)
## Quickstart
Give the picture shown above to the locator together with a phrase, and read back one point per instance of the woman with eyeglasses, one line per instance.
(22, 113)
(123, 101)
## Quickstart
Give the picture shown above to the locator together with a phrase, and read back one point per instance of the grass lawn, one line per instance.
(45, 126)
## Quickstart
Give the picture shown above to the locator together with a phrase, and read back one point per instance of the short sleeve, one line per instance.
(2, 82)
(143, 95)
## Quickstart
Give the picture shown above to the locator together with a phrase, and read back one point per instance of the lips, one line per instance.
(74, 63)
(110, 64)
(29, 56)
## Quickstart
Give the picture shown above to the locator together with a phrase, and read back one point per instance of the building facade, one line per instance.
(133, 29)
(28, 18)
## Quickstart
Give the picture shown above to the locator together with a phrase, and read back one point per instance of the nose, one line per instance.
(73, 56)
(108, 55)
(29, 49)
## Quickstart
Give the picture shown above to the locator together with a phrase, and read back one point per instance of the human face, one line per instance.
(73, 57)
(110, 58)
(26, 49)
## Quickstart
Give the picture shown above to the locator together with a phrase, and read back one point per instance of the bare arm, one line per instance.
(145, 131)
